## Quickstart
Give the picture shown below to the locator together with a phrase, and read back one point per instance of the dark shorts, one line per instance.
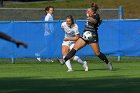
(94, 39)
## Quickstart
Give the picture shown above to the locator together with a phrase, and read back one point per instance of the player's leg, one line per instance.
(65, 50)
(40, 52)
(96, 49)
(79, 60)
(76, 58)
(78, 45)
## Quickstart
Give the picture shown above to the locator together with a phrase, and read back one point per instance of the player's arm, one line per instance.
(72, 39)
(95, 19)
(10, 39)
(6, 37)
(62, 26)
(47, 18)
(77, 35)
(92, 20)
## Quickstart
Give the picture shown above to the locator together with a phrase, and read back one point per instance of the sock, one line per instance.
(103, 57)
(68, 64)
(70, 54)
(76, 58)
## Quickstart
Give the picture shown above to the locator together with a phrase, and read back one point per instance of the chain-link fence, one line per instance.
(35, 14)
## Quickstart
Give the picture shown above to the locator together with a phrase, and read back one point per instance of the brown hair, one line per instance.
(94, 7)
(72, 19)
(48, 7)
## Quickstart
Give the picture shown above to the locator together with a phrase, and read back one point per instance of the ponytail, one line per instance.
(94, 7)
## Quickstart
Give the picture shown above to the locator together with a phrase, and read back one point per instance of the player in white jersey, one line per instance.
(48, 29)
(49, 17)
(71, 36)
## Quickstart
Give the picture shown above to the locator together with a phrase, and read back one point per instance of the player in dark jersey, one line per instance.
(93, 21)
(10, 39)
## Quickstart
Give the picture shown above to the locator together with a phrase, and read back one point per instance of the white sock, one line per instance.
(76, 58)
(68, 64)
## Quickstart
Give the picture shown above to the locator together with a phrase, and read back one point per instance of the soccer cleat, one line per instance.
(110, 66)
(62, 61)
(69, 70)
(39, 59)
(85, 66)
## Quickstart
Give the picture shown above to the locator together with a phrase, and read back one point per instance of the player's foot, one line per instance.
(69, 70)
(39, 59)
(85, 66)
(110, 66)
(52, 60)
(49, 60)
(62, 61)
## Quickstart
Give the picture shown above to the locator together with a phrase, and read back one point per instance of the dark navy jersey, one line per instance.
(91, 26)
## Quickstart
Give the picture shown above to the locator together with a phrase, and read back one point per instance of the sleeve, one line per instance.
(47, 18)
(97, 17)
(76, 29)
(63, 25)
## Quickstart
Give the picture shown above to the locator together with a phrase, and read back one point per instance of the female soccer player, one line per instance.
(49, 13)
(48, 29)
(71, 36)
(91, 26)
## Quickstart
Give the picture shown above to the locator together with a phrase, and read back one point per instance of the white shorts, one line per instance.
(70, 44)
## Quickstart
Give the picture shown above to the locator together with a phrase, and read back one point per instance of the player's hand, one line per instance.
(87, 15)
(20, 43)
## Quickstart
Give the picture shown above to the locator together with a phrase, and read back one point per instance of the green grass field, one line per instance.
(34, 77)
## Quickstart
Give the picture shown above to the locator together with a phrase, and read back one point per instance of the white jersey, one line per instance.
(70, 32)
(49, 17)
(48, 26)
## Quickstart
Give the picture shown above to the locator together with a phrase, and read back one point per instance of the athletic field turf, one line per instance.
(35, 77)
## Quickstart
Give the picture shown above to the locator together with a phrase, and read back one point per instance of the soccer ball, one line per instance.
(87, 35)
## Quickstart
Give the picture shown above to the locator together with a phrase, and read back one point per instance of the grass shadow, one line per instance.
(85, 85)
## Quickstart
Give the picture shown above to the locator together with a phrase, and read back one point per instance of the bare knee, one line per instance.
(65, 51)
(97, 53)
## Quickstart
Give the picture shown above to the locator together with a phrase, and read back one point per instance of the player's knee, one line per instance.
(97, 53)
(65, 51)
(75, 58)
